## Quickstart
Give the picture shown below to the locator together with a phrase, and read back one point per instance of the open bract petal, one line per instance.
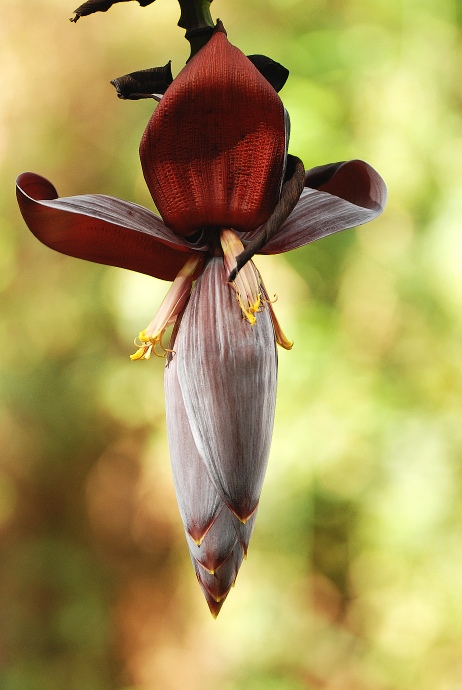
(336, 197)
(101, 228)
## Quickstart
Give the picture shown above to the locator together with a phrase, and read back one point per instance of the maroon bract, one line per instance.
(214, 157)
(214, 150)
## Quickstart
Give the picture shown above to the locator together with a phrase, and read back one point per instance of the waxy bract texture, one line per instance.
(220, 395)
(214, 157)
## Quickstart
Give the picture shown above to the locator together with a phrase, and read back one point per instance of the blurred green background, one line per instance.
(354, 574)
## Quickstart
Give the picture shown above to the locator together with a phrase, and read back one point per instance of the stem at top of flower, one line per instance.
(197, 20)
(195, 17)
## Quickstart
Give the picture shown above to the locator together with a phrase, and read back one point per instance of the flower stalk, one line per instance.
(195, 18)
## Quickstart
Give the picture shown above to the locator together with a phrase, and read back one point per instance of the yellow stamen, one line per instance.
(247, 282)
(143, 352)
(281, 339)
(150, 340)
(248, 285)
(149, 344)
(248, 310)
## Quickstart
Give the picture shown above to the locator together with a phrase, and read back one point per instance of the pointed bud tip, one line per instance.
(214, 606)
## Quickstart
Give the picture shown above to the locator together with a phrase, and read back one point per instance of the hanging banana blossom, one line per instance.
(214, 157)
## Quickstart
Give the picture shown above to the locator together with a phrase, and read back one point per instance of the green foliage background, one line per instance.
(353, 580)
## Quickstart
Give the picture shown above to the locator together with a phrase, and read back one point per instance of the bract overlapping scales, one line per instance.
(198, 500)
(213, 152)
(217, 540)
(216, 587)
(227, 371)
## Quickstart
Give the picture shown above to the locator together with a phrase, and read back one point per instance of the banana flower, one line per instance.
(214, 156)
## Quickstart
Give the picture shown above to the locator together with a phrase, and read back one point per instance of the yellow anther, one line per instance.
(249, 310)
(247, 282)
(142, 353)
(281, 339)
(150, 340)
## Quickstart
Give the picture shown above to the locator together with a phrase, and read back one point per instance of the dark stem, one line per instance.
(198, 22)
(195, 18)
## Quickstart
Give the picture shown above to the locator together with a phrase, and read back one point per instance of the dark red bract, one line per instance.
(213, 152)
